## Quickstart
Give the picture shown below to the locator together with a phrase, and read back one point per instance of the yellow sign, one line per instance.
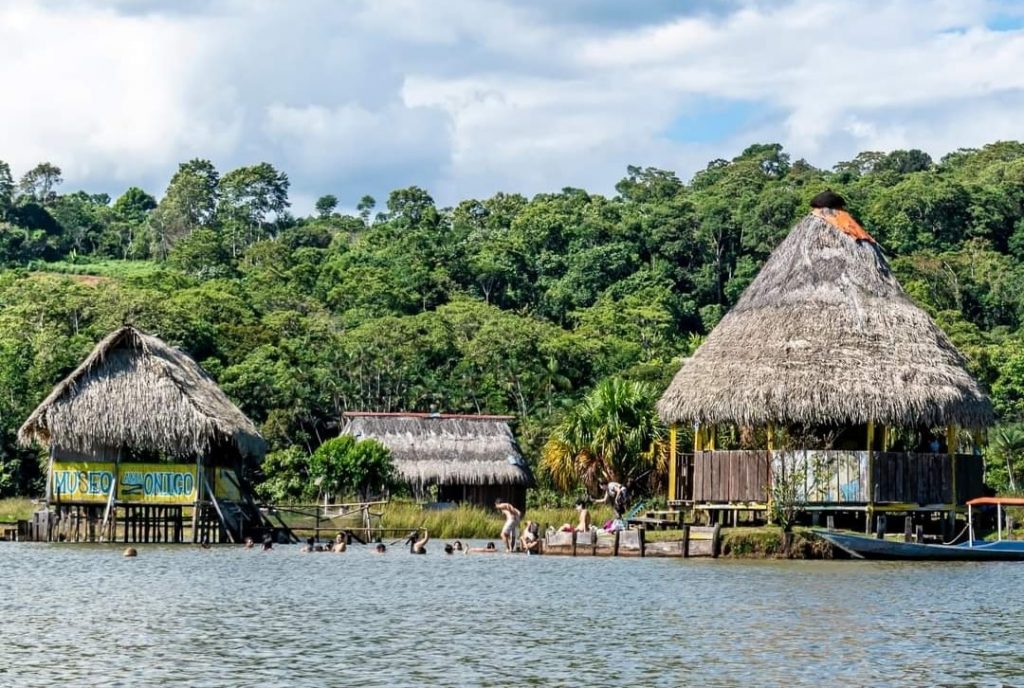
(225, 485)
(80, 481)
(140, 483)
(157, 483)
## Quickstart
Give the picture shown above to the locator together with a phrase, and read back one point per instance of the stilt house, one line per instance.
(826, 373)
(140, 439)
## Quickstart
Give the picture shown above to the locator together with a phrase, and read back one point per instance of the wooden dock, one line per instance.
(696, 541)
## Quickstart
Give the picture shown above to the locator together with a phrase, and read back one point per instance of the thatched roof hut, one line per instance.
(136, 392)
(446, 449)
(826, 335)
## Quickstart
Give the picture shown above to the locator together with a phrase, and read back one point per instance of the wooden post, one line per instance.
(870, 487)
(830, 523)
(643, 541)
(615, 547)
(716, 541)
(712, 434)
(673, 474)
(223, 520)
(951, 440)
(574, 542)
(908, 528)
(919, 534)
(880, 526)
(686, 541)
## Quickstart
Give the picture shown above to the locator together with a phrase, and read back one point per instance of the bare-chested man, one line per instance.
(508, 531)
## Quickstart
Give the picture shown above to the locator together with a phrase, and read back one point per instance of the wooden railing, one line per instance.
(827, 477)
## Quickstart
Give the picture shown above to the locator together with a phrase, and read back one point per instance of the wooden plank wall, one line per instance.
(730, 476)
(926, 478)
(742, 476)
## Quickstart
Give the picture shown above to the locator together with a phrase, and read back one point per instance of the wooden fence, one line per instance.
(828, 477)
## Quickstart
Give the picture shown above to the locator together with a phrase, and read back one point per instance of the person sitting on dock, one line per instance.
(417, 546)
(489, 549)
(508, 531)
(530, 542)
(583, 525)
(617, 494)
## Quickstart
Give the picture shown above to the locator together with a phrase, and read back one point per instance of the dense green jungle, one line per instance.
(503, 305)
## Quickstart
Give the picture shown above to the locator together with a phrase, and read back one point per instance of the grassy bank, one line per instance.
(461, 522)
(16, 509)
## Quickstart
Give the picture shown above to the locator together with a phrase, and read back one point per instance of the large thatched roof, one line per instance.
(135, 391)
(825, 334)
(446, 449)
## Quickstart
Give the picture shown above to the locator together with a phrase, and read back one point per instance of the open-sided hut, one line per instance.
(825, 338)
(140, 429)
(471, 459)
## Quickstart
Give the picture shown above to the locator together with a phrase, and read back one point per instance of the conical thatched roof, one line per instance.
(445, 449)
(135, 391)
(825, 334)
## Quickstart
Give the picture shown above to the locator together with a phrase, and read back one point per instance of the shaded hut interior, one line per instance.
(470, 459)
(825, 366)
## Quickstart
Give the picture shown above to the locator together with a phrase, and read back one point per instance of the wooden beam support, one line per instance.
(673, 471)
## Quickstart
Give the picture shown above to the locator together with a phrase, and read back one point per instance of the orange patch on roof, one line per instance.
(844, 222)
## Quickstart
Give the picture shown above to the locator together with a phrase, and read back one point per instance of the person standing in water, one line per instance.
(508, 531)
(617, 494)
(417, 546)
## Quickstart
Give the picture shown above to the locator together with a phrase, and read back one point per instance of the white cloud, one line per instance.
(466, 98)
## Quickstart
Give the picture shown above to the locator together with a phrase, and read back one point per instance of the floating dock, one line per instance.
(696, 541)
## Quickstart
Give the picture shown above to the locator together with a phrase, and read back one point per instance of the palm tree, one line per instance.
(612, 434)
(1008, 440)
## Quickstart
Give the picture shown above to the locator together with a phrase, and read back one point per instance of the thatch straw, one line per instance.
(446, 449)
(826, 335)
(136, 392)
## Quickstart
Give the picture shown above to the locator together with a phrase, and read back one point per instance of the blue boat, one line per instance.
(861, 547)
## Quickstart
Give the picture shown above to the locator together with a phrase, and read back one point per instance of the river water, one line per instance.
(83, 615)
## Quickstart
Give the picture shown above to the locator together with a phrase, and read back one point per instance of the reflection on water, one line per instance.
(81, 614)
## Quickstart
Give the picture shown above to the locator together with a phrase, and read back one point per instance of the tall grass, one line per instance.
(464, 521)
(16, 509)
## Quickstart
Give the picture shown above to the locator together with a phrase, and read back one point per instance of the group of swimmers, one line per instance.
(529, 542)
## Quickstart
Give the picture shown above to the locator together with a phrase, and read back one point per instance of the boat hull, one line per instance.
(872, 548)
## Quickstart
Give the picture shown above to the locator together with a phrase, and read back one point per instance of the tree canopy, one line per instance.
(508, 304)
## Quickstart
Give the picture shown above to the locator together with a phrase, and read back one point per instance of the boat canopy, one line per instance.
(997, 501)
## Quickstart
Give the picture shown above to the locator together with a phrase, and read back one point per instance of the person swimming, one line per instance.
(249, 543)
(131, 552)
(489, 549)
(448, 549)
(458, 545)
(417, 546)
(381, 548)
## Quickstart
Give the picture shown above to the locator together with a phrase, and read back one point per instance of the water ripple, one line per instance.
(82, 615)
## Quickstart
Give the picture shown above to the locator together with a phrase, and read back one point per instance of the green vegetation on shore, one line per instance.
(506, 304)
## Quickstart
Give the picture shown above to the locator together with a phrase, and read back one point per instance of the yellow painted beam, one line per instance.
(673, 476)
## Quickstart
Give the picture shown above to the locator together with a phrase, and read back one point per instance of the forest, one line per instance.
(505, 305)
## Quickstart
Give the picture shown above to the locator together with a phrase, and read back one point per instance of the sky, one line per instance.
(467, 98)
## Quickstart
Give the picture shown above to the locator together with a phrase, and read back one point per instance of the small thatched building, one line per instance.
(140, 422)
(825, 336)
(472, 459)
